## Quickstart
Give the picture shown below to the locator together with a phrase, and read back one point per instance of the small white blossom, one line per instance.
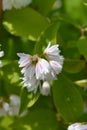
(56, 66)
(42, 68)
(31, 84)
(9, 4)
(78, 126)
(52, 52)
(28, 71)
(6, 106)
(14, 100)
(45, 89)
(25, 59)
(39, 71)
(14, 105)
(50, 76)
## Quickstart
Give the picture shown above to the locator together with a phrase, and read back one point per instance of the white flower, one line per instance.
(9, 4)
(14, 105)
(1, 53)
(14, 100)
(6, 106)
(28, 71)
(31, 84)
(52, 52)
(42, 69)
(25, 59)
(78, 126)
(45, 89)
(55, 66)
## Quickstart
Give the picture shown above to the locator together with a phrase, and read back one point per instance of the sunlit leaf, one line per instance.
(40, 119)
(67, 99)
(25, 22)
(27, 99)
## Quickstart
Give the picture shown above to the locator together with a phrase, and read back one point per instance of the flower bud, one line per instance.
(45, 89)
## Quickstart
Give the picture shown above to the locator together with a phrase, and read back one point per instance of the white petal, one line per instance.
(9, 4)
(42, 68)
(78, 126)
(24, 59)
(52, 52)
(50, 76)
(14, 100)
(73, 126)
(6, 106)
(56, 66)
(30, 72)
(45, 89)
(31, 84)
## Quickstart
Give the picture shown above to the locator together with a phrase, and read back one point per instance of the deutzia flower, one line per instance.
(14, 105)
(45, 89)
(9, 4)
(31, 83)
(27, 61)
(78, 126)
(42, 69)
(52, 52)
(38, 70)
(55, 66)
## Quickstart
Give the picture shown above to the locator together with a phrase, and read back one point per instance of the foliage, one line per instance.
(29, 30)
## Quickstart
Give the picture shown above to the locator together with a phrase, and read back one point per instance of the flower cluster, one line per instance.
(39, 71)
(78, 126)
(12, 108)
(9, 4)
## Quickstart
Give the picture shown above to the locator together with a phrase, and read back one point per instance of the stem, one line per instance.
(83, 31)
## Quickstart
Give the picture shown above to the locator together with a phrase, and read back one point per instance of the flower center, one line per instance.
(34, 59)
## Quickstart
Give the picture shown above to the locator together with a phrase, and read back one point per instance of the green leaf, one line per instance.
(25, 22)
(10, 79)
(44, 102)
(5, 123)
(67, 99)
(44, 6)
(82, 46)
(73, 65)
(75, 9)
(39, 119)
(69, 31)
(49, 35)
(27, 99)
